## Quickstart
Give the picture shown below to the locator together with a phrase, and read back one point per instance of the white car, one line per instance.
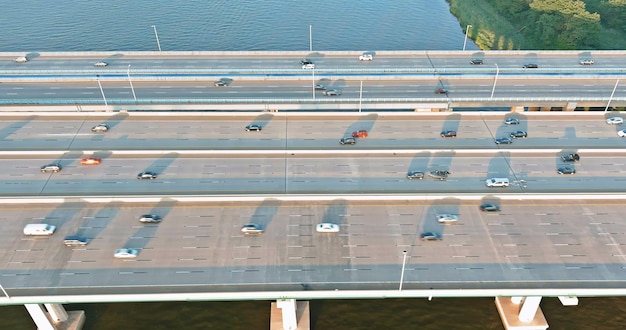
(150, 218)
(621, 133)
(447, 218)
(308, 66)
(21, 59)
(615, 121)
(100, 128)
(327, 228)
(125, 253)
(366, 57)
(100, 64)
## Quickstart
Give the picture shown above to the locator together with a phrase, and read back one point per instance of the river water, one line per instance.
(246, 25)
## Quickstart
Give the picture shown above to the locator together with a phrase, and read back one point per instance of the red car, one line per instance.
(90, 161)
(359, 134)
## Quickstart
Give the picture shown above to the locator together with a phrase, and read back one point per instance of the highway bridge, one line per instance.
(556, 235)
(276, 80)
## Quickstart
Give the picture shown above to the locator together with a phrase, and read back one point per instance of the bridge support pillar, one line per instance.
(289, 314)
(521, 313)
(54, 317)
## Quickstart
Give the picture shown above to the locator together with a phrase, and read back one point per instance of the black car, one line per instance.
(488, 207)
(476, 61)
(430, 236)
(441, 91)
(504, 140)
(570, 157)
(566, 170)
(448, 133)
(306, 61)
(253, 127)
(518, 134)
(530, 66)
(439, 174)
(347, 140)
(415, 175)
(146, 175)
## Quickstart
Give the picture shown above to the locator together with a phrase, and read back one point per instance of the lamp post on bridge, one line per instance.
(495, 81)
(156, 35)
(5, 292)
(131, 83)
(101, 91)
(403, 266)
(310, 38)
(611, 97)
(360, 95)
(466, 31)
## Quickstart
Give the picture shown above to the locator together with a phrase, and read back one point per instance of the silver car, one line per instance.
(331, 92)
(251, 229)
(54, 168)
(150, 218)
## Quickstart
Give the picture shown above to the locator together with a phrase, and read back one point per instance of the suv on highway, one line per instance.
(415, 175)
(476, 61)
(347, 140)
(51, 168)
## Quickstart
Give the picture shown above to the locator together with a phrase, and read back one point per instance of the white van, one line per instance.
(497, 182)
(39, 229)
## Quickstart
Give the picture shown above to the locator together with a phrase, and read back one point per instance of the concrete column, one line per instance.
(288, 307)
(529, 309)
(57, 312)
(39, 316)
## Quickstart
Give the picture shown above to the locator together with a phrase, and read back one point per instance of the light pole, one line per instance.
(102, 91)
(466, 31)
(361, 96)
(611, 97)
(313, 81)
(131, 83)
(156, 35)
(310, 38)
(403, 265)
(5, 293)
(495, 81)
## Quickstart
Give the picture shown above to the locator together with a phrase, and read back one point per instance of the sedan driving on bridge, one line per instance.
(54, 168)
(615, 121)
(91, 161)
(332, 92)
(441, 91)
(447, 218)
(573, 157)
(518, 134)
(366, 57)
(439, 174)
(146, 175)
(566, 170)
(327, 227)
(253, 128)
(586, 61)
(430, 236)
(125, 253)
(100, 128)
(347, 140)
(621, 133)
(21, 59)
(150, 218)
(476, 61)
(504, 140)
(415, 175)
(448, 133)
(251, 229)
(489, 207)
(100, 64)
(362, 133)
(221, 83)
(531, 66)
(511, 121)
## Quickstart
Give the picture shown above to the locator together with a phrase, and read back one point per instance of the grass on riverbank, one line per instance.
(492, 31)
(489, 30)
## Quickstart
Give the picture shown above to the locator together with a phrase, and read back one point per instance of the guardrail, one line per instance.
(318, 101)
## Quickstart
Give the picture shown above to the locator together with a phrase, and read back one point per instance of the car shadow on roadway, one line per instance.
(336, 212)
(339, 84)
(13, 127)
(451, 123)
(147, 231)
(114, 121)
(420, 162)
(160, 165)
(440, 206)
(365, 122)
(265, 212)
(95, 224)
(262, 119)
(63, 214)
(500, 166)
(69, 158)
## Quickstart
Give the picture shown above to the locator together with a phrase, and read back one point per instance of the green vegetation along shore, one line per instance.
(543, 24)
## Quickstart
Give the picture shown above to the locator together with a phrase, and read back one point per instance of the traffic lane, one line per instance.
(515, 242)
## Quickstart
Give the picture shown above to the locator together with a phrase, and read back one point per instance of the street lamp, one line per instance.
(611, 97)
(466, 31)
(101, 91)
(361, 96)
(131, 83)
(495, 81)
(313, 81)
(403, 265)
(156, 35)
(4, 291)
(310, 38)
